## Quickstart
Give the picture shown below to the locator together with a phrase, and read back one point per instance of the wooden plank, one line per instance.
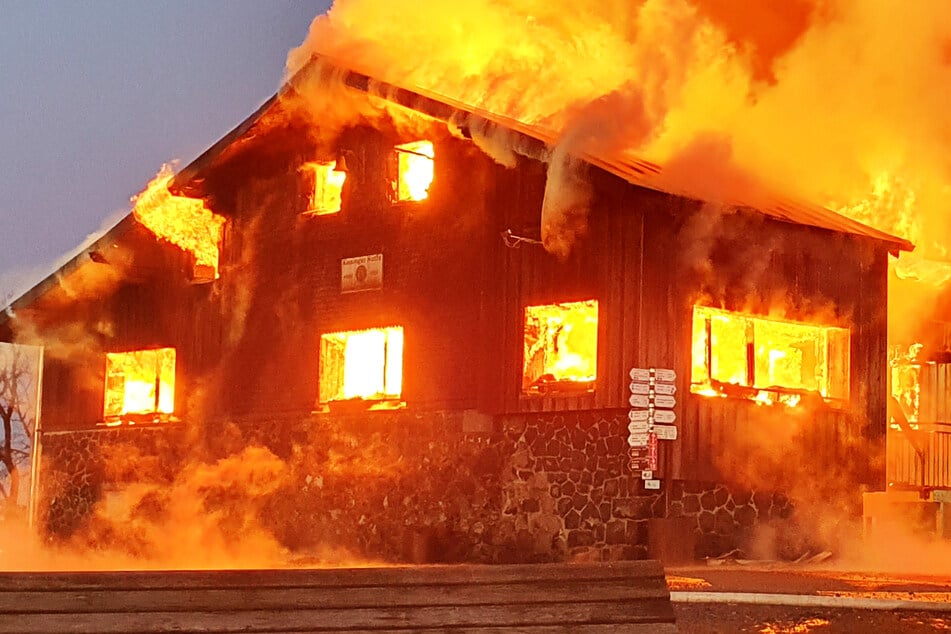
(317, 578)
(646, 612)
(274, 598)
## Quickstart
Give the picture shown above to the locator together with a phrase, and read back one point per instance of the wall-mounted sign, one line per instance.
(665, 432)
(364, 273)
(662, 400)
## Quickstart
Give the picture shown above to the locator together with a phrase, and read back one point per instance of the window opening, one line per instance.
(325, 196)
(768, 360)
(415, 170)
(361, 365)
(140, 383)
(560, 347)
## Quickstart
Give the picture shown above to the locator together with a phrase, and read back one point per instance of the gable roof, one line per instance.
(533, 141)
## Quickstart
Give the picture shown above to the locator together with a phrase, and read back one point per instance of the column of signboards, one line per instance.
(651, 419)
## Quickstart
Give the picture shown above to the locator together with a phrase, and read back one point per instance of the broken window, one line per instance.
(141, 382)
(361, 364)
(414, 171)
(561, 347)
(325, 194)
(767, 359)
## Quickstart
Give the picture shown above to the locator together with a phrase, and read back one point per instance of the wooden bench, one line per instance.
(610, 597)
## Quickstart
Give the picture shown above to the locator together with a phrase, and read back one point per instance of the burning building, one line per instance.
(388, 309)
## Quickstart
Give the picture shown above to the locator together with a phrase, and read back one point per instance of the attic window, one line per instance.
(561, 347)
(767, 360)
(326, 189)
(140, 383)
(361, 365)
(414, 171)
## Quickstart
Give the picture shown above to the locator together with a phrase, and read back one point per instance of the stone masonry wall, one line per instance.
(425, 487)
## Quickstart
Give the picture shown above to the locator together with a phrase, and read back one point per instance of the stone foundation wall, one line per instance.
(77, 468)
(423, 488)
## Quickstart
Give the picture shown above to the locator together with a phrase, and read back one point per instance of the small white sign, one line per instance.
(638, 415)
(652, 484)
(662, 400)
(637, 440)
(668, 389)
(638, 427)
(638, 400)
(665, 432)
(647, 474)
(640, 374)
(639, 388)
(364, 273)
(664, 416)
(665, 374)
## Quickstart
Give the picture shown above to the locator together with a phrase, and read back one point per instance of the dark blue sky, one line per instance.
(96, 95)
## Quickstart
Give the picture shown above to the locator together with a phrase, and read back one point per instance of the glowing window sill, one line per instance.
(360, 405)
(772, 396)
(559, 388)
(141, 420)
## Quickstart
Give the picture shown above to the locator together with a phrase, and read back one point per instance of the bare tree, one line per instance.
(17, 420)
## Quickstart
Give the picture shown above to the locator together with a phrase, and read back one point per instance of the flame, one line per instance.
(185, 222)
(328, 188)
(415, 170)
(362, 364)
(906, 381)
(140, 382)
(824, 101)
(561, 344)
(767, 360)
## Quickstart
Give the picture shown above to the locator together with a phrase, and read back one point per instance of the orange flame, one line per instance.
(185, 222)
(140, 382)
(561, 344)
(818, 100)
(416, 170)
(767, 360)
(364, 364)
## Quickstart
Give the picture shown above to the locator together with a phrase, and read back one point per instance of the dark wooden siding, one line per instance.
(251, 339)
(648, 259)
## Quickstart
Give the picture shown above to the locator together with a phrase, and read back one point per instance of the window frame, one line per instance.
(838, 389)
(154, 415)
(395, 176)
(387, 400)
(559, 387)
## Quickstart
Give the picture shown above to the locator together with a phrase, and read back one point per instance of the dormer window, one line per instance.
(414, 171)
(327, 188)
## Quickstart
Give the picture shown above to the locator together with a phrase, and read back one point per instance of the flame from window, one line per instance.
(361, 364)
(767, 360)
(415, 170)
(561, 345)
(328, 188)
(183, 221)
(140, 382)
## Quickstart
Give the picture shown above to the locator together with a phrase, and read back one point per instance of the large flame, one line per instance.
(840, 103)
(185, 222)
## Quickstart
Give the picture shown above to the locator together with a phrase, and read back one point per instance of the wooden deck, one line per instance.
(614, 597)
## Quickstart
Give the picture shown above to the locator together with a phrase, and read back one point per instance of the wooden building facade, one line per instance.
(457, 279)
